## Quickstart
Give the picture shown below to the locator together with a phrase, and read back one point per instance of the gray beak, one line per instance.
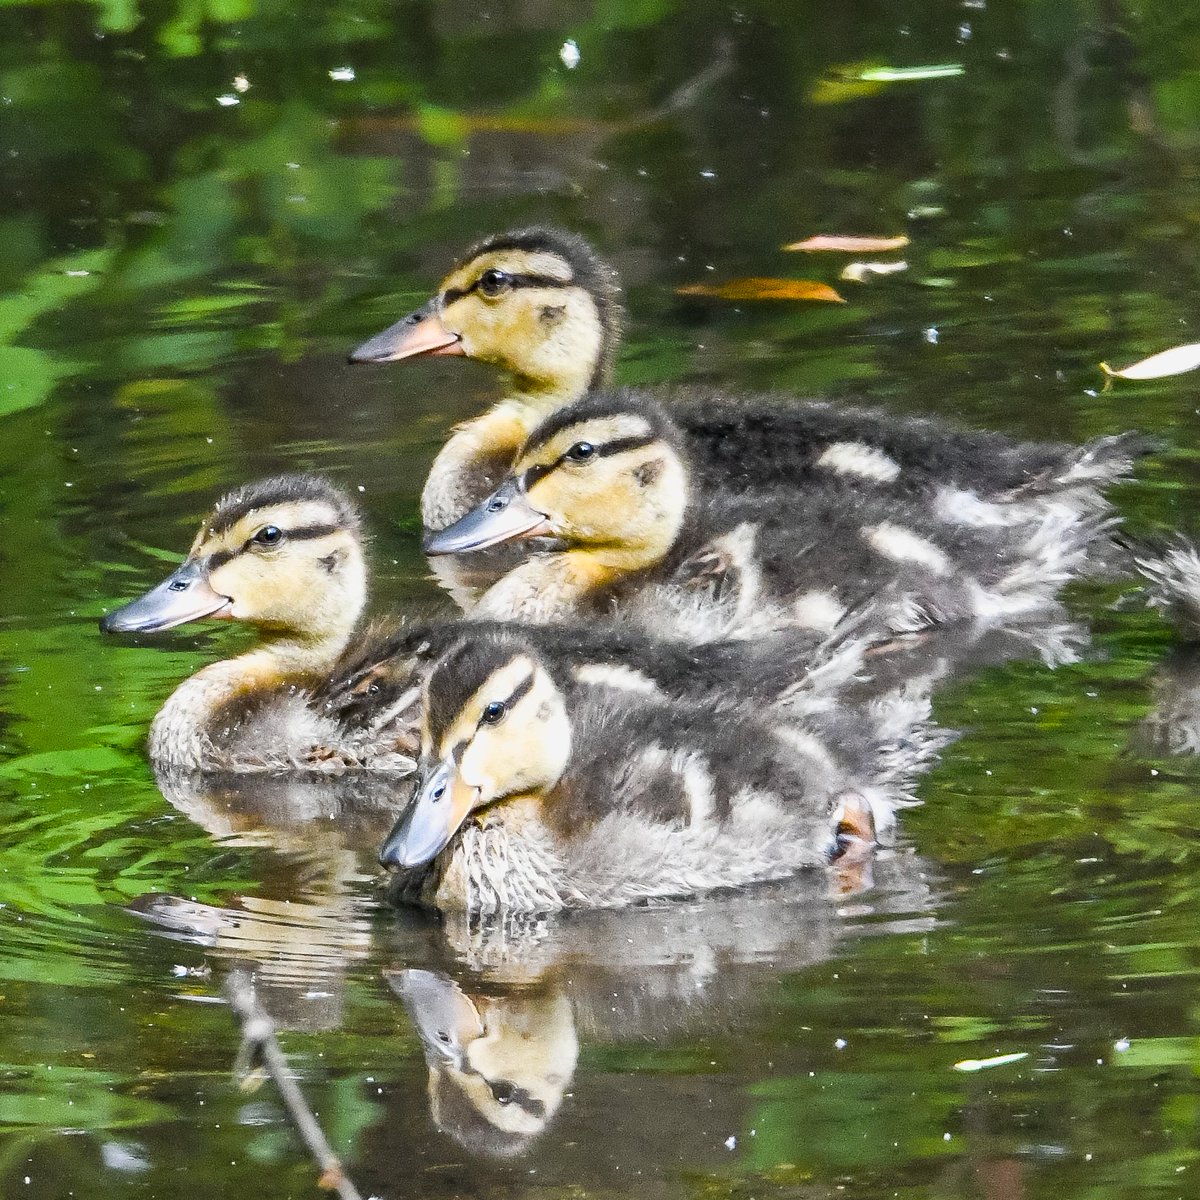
(437, 810)
(181, 597)
(505, 516)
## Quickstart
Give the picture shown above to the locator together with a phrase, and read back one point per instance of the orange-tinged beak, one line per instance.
(420, 334)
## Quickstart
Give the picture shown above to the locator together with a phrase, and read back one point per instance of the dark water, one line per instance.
(179, 281)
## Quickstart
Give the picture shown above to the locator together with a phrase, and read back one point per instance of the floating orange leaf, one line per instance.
(1176, 361)
(760, 288)
(849, 244)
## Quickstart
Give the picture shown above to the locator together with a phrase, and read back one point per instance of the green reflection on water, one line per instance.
(179, 280)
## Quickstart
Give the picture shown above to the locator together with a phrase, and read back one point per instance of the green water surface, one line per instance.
(203, 205)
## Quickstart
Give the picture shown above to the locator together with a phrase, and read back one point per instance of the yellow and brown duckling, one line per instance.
(284, 555)
(541, 305)
(321, 692)
(634, 532)
(537, 794)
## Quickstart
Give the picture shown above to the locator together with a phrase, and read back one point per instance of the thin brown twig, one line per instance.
(260, 1046)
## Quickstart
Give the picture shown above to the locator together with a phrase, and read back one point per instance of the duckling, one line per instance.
(536, 794)
(542, 305)
(284, 555)
(637, 533)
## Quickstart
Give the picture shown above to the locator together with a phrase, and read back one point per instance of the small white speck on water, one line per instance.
(77, 274)
(730, 1142)
(708, 173)
(568, 54)
(342, 74)
(1121, 1045)
(228, 100)
(1033, 710)
(1087, 1158)
(361, 488)
(291, 166)
(1153, 770)
(241, 84)
(965, 31)
(841, 1043)
(930, 335)
(945, 1137)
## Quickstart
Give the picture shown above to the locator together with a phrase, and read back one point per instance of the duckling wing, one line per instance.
(756, 441)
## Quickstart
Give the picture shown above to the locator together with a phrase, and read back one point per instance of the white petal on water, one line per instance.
(228, 100)
(1176, 361)
(342, 74)
(569, 54)
(241, 83)
(982, 1064)
(858, 272)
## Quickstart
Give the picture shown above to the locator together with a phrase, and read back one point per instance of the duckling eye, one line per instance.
(268, 535)
(581, 451)
(493, 713)
(503, 1092)
(492, 282)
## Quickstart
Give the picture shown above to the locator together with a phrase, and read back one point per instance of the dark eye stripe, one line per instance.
(299, 533)
(304, 532)
(603, 450)
(520, 691)
(517, 281)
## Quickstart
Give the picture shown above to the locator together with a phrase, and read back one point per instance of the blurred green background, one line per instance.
(205, 203)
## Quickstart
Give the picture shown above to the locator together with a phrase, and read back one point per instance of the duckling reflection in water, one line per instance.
(285, 556)
(537, 794)
(498, 1066)
(540, 304)
(635, 533)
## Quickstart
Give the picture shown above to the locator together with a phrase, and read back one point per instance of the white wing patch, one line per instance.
(857, 458)
(613, 675)
(818, 610)
(902, 545)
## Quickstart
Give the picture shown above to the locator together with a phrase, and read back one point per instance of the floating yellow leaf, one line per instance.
(857, 272)
(982, 1064)
(760, 288)
(1169, 362)
(850, 244)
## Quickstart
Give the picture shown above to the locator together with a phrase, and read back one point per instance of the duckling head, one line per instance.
(498, 1065)
(602, 475)
(283, 554)
(494, 728)
(539, 303)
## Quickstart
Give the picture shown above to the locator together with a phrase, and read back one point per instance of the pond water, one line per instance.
(203, 205)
